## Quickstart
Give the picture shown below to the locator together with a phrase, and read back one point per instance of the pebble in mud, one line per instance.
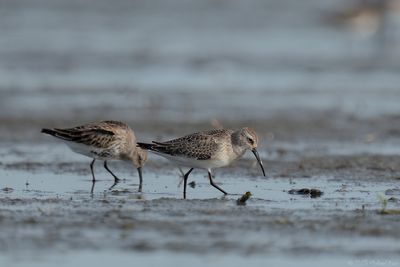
(314, 193)
(192, 184)
(7, 189)
(242, 200)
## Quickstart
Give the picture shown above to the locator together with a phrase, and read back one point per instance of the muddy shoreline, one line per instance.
(50, 207)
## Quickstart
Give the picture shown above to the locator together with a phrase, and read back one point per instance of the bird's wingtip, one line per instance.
(46, 131)
(144, 145)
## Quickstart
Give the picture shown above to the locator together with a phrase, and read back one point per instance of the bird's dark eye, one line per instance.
(250, 140)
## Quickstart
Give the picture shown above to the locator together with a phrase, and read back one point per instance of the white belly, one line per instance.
(91, 152)
(194, 163)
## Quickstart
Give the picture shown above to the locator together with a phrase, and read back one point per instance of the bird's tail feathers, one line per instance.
(57, 134)
(145, 146)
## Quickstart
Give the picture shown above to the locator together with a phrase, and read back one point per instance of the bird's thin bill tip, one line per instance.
(262, 168)
(255, 152)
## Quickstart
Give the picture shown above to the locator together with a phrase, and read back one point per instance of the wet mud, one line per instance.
(46, 204)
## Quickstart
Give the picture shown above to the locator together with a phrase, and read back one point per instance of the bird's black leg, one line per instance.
(91, 190)
(140, 178)
(216, 186)
(91, 168)
(185, 177)
(116, 179)
(93, 178)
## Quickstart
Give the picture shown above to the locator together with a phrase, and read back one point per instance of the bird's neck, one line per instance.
(238, 150)
(237, 147)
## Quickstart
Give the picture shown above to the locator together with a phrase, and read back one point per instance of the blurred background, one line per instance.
(317, 79)
(275, 65)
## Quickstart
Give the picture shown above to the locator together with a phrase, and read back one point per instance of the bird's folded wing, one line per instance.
(95, 137)
(196, 146)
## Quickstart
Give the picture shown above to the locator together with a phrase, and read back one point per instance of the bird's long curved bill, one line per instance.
(258, 159)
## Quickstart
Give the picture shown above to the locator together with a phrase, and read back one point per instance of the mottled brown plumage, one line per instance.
(200, 146)
(105, 140)
(207, 150)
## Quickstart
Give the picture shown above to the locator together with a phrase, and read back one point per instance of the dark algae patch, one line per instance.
(312, 192)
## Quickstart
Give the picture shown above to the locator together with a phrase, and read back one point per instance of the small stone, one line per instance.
(192, 184)
(242, 200)
(7, 189)
(306, 191)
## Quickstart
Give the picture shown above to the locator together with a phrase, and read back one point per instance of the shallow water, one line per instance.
(266, 192)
